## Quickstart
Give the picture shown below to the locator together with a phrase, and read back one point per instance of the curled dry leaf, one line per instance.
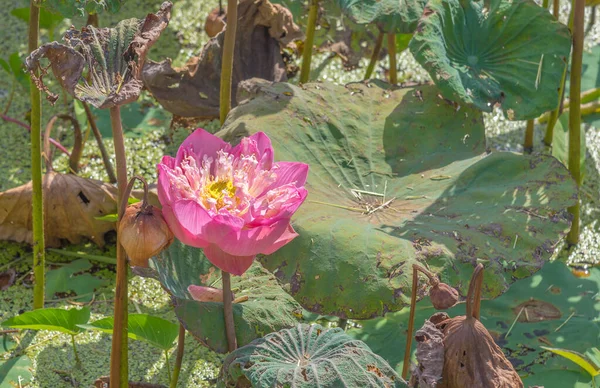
(215, 22)
(471, 357)
(114, 58)
(72, 204)
(193, 90)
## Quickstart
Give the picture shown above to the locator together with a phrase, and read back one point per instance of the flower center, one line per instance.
(218, 190)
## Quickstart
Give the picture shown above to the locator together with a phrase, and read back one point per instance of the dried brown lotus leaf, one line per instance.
(72, 205)
(193, 91)
(113, 57)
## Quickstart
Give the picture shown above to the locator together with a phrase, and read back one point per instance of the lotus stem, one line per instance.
(553, 117)
(588, 98)
(228, 311)
(227, 59)
(411, 322)
(179, 359)
(343, 323)
(545, 4)
(168, 365)
(528, 144)
(77, 360)
(36, 169)
(555, 8)
(575, 113)
(375, 55)
(313, 12)
(591, 22)
(55, 143)
(13, 87)
(127, 194)
(118, 356)
(105, 158)
(433, 279)
(92, 20)
(77, 146)
(391, 45)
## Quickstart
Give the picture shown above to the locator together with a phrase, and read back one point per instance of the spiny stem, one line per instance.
(168, 364)
(574, 112)
(411, 322)
(313, 12)
(118, 356)
(228, 311)
(77, 360)
(179, 359)
(556, 112)
(375, 55)
(392, 54)
(36, 169)
(227, 59)
(105, 158)
(528, 144)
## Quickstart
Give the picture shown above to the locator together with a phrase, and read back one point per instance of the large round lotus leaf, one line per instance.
(437, 197)
(267, 309)
(484, 53)
(390, 15)
(307, 356)
(558, 310)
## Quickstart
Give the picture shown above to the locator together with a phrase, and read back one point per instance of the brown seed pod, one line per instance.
(442, 296)
(471, 357)
(215, 22)
(143, 233)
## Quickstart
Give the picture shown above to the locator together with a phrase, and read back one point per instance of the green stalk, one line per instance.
(118, 355)
(556, 112)
(228, 312)
(105, 158)
(375, 55)
(168, 365)
(179, 359)
(77, 360)
(391, 44)
(528, 144)
(545, 3)
(411, 323)
(555, 8)
(36, 169)
(310, 39)
(227, 59)
(574, 112)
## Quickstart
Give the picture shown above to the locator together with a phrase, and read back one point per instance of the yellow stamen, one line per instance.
(218, 189)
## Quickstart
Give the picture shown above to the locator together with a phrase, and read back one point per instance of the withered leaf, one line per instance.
(71, 204)
(430, 353)
(193, 90)
(7, 279)
(114, 58)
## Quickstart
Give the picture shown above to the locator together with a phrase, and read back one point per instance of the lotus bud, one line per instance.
(442, 296)
(143, 233)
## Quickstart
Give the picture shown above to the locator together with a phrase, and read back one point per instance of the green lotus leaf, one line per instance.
(113, 57)
(558, 310)
(307, 356)
(484, 53)
(70, 8)
(398, 177)
(400, 16)
(268, 307)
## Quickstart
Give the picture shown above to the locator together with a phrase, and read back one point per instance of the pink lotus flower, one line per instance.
(233, 202)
